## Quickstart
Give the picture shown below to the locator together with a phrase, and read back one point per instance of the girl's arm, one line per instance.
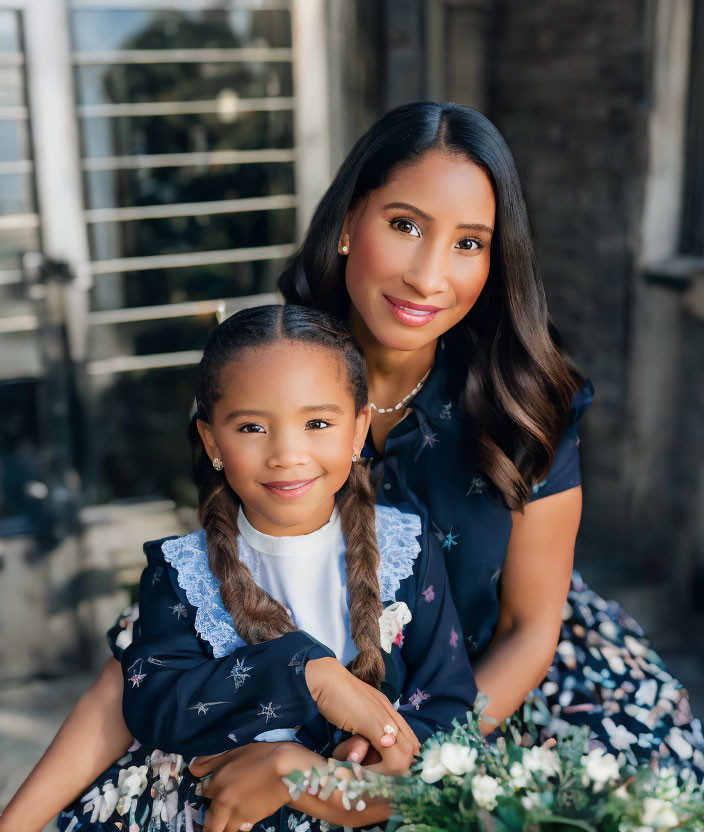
(178, 697)
(93, 736)
(534, 585)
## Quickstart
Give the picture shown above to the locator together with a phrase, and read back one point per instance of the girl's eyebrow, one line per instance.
(406, 206)
(310, 408)
(329, 408)
(236, 414)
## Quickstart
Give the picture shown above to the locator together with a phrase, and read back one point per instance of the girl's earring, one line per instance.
(343, 247)
(217, 464)
(354, 457)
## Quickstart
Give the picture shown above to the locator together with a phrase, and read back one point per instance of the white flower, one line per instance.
(458, 759)
(432, 769)
(391, 622)
(519, 776)
(530, 801)
(541, 760)
(601, 768)
(485, 790)
(658, 813)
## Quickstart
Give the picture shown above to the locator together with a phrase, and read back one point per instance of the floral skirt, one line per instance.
(604, 675)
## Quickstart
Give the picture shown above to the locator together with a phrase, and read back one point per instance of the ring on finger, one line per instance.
(246, 826)
(390, 729)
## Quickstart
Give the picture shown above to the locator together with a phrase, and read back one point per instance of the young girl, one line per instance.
(294, 566)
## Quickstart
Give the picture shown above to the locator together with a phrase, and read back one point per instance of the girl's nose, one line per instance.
(286, 452)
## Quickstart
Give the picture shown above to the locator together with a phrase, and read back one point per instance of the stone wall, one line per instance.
(568, 89)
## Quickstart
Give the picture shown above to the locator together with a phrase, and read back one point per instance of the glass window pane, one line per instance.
(188, 234)
(13, 245)
(136, 83)
(14, 301)
(165, 186)
(184, 134)
(20, 455)
(11, 86)
(14, 140)
(16, 193)
(100, 29)
(19, 357)
(9, 31)
(150, 337)
(140, 421)
(162, 286)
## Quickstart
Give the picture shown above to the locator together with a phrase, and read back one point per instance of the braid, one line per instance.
(256, 615)
(355, 501)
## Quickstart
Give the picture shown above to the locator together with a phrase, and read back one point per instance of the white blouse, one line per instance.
(305, 573)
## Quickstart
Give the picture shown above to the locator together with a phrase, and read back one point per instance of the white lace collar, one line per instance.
(321, 538)
(398, 548)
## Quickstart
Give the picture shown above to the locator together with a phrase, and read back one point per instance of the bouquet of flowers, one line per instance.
(462, 782)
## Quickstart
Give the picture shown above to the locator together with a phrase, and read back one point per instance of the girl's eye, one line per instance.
(317, 424)
(406, 227)
(469, 244)
(250, 427)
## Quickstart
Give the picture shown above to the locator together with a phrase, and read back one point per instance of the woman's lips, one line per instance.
(289, 489)
(409, 313)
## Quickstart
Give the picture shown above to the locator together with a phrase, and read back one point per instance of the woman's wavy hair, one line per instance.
(519, 387)
(256, 615)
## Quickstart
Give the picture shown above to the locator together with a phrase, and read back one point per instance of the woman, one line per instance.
(422, 243)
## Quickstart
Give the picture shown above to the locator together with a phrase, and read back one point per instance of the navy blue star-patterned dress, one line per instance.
(194, 686)
(604, 672)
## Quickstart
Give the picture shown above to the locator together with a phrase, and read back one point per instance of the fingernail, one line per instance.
(387, 740)
(353, 756)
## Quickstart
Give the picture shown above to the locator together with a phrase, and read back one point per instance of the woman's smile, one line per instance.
(409, 313)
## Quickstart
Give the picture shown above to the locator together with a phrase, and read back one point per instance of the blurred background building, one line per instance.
(159, 161)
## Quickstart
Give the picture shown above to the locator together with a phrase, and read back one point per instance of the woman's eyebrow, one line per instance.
(406, 206)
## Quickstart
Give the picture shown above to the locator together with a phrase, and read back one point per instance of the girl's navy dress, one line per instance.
(193, 686)
(604, 672)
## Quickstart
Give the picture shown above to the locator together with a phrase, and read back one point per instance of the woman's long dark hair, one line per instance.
(256, 615)
(519, 388)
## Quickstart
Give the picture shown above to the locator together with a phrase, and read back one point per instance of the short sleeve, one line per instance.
(565, 472)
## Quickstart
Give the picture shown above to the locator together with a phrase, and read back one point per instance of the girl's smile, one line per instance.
(285, 428)
(409, 313)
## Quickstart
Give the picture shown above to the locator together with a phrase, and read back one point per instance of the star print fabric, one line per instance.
(178, 695)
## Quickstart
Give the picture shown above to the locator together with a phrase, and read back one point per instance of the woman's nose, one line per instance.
(427, 272)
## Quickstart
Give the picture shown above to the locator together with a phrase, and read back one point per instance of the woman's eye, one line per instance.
(469, 244)
(406, 227)
(317, 424)
(251, 428)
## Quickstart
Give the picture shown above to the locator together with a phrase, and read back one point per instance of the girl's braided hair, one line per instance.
(256, 615)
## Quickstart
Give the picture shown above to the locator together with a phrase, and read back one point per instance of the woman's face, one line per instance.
(285, 428)
(419, 250)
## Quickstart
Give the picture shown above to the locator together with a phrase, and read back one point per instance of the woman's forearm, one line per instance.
(514, 663)
(93, 736)
(331, 810)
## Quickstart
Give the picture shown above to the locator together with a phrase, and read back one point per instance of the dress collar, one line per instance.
(324, 537)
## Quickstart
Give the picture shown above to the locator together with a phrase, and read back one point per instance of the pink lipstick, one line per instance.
(409, 313)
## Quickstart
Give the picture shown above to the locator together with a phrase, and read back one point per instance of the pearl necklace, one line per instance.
(403, 400)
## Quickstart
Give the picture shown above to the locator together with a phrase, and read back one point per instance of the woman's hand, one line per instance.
(246, 786)
(244, 789)
(358, 708)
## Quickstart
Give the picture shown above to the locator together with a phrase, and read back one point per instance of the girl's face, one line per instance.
(285, 429)
(419, 250)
